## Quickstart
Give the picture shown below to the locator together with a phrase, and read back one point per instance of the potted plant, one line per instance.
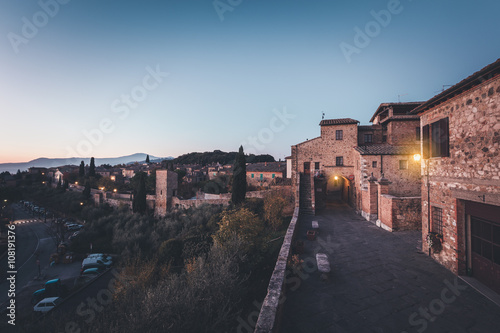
(434, 241)
(311, 235)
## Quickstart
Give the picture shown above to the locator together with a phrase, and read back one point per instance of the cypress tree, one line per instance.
(239, 178)
(92, 167)
(139, 204)
(86, 190)
(81, 171)
(147, 159)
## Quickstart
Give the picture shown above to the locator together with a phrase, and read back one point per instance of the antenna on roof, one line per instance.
(399, 97)
(322, 116)
(444, 85)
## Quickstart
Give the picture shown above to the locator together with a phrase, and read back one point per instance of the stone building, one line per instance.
(265, 173)
(347, 159)
(461, 176)
(166, 189)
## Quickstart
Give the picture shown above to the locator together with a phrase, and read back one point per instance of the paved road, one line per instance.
(31, 238)
(380, 282)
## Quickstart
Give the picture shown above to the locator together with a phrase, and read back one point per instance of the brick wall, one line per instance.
(399, 213)
(402, 132)
(472, 169)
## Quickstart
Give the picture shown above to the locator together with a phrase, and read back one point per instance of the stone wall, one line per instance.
(403, 132)
(472, 170)
(272, 307)
(405, 182)
(399, 213)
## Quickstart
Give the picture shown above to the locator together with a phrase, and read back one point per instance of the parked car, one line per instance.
(47, 304)
(53, 288)
(74, 235)
(72, 227)
(99, 260)
(91, 272)
(99, 256)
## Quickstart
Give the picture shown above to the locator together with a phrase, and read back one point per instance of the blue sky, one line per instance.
(80, 83)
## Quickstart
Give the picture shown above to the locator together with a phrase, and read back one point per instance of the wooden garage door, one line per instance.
(485, 241)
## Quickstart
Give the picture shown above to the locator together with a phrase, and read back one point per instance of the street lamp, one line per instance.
(417, 157)
(336, 178)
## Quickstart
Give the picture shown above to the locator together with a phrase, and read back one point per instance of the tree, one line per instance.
(147, 159)
(92, 167)
(86, 190)
(81, 171)
(274, 204)
(242, 224)
(239, 178)
(139, 204)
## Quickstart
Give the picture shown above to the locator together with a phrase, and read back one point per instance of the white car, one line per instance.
(99, 256)
(47, 304)
(97, 261)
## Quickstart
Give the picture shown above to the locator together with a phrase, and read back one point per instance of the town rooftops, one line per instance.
(339, 121)
(266, 167)
(475, 79)
(386, 149)
(398, 109)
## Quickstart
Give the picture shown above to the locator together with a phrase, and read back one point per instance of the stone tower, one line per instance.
(166, 188)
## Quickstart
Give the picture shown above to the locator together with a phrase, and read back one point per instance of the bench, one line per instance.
(315, 225)
(323, 265)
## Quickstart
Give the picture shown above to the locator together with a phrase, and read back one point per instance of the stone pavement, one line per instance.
(379, 282)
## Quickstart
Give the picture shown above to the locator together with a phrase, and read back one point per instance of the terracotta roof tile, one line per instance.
(386, 149)
(339, 121)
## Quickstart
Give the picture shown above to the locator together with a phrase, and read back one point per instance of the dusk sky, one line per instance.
(110, 78)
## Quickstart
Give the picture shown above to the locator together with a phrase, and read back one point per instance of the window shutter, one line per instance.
(425, 142)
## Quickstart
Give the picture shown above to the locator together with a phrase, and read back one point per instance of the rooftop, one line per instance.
(339, 121)
(386, 149)
(267, 167)
(398, 108)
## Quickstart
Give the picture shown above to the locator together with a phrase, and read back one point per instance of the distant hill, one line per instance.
(56, 162)
(218, 156)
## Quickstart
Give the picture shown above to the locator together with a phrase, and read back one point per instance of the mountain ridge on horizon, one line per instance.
(46, 162)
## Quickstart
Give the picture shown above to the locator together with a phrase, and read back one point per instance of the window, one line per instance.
(436, 141)
(261, 176)
(437, 220)
(374, 164)
(339, 134)
(403, 164)
(417, 133)
(272, 176)
(252, 175)
(339, 161)
(316, 165)
(368, 138)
